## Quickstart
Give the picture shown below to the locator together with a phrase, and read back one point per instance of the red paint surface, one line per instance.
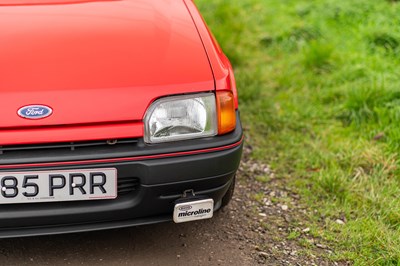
(53, 134)
(45, 2)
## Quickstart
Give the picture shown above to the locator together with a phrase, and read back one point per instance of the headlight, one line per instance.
(181, 117)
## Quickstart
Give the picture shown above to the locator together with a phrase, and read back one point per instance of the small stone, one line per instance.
(339, 221)
(306, 230)
(321, 246)
(262, 214)
(272, 175)
(287, 218)
(284, 207)
(178, 256)
(263, 254)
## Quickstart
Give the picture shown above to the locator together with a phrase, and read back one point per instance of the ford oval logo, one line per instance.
(35, 111)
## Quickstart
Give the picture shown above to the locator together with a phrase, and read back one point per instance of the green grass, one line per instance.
(319, 86)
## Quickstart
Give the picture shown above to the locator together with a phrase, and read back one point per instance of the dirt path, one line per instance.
(252, 230)
(199, 243)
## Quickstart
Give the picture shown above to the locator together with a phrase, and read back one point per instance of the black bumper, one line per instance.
(159, 182)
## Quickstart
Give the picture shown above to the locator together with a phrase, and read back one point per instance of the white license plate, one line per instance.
(193, 210)
(50, 186)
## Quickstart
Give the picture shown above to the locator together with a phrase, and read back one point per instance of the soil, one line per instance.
(253, 229)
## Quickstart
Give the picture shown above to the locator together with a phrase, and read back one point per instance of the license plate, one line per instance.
(51, 186)
(193, 210)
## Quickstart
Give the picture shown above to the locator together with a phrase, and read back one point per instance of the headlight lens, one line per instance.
(181, 117)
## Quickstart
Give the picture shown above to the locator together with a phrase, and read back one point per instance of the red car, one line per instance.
(114, 113)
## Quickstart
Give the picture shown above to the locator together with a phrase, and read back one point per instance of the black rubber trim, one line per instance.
(84, 228)
(138, 149)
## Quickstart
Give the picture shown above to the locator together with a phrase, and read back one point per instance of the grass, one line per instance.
(319, 90)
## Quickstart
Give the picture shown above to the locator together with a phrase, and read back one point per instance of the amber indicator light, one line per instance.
(226, 112)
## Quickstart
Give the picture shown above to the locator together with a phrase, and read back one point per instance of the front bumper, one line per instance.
(161, 180)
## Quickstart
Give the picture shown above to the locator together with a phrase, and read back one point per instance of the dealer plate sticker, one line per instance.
(193, 210)
(58, 185)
